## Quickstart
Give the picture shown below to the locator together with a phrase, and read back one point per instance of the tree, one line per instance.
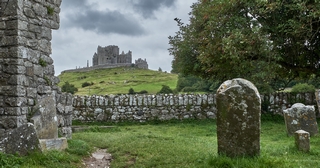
(67, 87)
(160, 70)
(267, 42)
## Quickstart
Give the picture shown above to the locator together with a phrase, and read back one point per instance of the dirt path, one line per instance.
(99, 159)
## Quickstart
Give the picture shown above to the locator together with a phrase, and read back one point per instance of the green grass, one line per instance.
(191, 143)
(119, 80)
(71, 158)
(194, 144)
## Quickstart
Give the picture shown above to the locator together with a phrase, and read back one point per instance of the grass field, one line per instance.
(186, 144)
(119, 80)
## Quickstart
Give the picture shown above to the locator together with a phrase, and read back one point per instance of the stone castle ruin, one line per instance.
(33, 111)
(110, 57)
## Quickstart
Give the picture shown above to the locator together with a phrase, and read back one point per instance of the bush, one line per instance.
(302, 88)
(143, 92)
(165, 90)
(85, 84)
(69, 88)
(188, 89)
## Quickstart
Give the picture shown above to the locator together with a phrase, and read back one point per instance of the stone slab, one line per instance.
(54, 144)
(302, 140)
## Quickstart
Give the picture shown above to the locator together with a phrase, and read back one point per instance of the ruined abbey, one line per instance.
(110, 57)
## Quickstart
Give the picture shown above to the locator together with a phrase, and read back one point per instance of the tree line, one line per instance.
(275, 43)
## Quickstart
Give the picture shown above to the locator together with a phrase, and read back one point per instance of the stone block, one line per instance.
(301, 117)
(302, 140)
(238, 118)
(21, 140)
(54, 144)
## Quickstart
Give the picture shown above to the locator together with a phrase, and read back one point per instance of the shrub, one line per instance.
(143, 92)
(303, 87)
(165, 89)
(67, 87)
(188, 89)
(85, 84)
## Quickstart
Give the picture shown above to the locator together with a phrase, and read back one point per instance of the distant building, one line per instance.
(110, 57)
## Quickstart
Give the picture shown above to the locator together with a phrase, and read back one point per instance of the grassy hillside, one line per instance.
(119, 80)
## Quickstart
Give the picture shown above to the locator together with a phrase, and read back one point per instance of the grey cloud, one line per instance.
(147, 7)
(102, 22)
(107, 22)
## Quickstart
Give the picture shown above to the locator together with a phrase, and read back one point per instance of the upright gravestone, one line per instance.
(238, 118)
(300, 117)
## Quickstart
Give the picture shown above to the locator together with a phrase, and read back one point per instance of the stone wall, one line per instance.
(143, 107)
(277, 102)
(116, 108)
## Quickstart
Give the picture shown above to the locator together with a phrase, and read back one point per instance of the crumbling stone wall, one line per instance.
(26, 68)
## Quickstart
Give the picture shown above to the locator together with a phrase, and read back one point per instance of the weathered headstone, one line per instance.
(300, 117)
(302, 140)
(45, 118)
(238, 118)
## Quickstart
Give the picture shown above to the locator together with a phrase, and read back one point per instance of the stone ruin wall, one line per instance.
(115, 108)
(86, 69)
(26, 68)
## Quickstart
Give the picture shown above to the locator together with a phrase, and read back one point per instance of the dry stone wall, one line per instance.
(141, 108)
(116, 108)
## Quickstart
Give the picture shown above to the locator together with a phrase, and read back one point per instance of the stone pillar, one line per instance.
(238, 118)
(299, 117)
(302, 140)
(27, 81)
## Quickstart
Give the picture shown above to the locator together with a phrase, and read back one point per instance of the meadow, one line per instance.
(191, 143)
(118, 80)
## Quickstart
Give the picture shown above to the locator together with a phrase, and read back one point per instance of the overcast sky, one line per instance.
(141, 26)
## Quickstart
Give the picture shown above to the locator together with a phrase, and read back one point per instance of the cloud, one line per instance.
(107, 23)
(86, 17)
(148, 7)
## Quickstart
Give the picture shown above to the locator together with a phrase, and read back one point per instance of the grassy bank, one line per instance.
(173, 144)
(118, 80)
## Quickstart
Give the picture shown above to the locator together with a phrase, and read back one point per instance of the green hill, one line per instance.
(118, 80)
